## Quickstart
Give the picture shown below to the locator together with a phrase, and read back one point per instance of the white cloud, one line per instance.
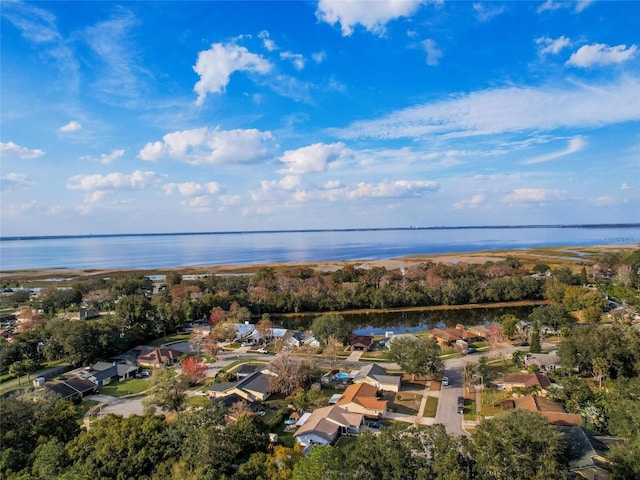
(319, 57)
(373, 16)
(17, 210)
(272, 189)
(200, 203)
(574, 145)
(269, 44)
(508, 109)
(15, 181)
(484, 13)
(601, 54)
(549, 5)
(229, 200)
(10, 149)
(549, 45)
(296, 58)
(331, 184)
(433, 53)
(524, 195)
(137, 180)
(582, 4)
(474, 202)
(626, 186)
(189, 189)
(204, 146)
(105, 158)
(314, 158)
(72, 126)
(603, 201)
(398, 188)
(215, 66)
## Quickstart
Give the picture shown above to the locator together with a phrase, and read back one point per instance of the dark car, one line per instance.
(460, 405)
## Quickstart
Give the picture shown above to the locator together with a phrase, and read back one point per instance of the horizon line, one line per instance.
(319, 230)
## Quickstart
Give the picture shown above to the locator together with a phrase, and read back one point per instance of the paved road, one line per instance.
(447, 412)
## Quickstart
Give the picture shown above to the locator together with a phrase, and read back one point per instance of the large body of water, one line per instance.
(246, 248)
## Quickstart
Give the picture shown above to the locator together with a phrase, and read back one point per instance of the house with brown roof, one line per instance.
(451, 336)
(360, 342)
(361, 398)
(554, 411)
(159, 357)
(326, 424)
(527, 380)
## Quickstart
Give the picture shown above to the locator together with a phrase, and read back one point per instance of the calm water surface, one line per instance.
(176, 250)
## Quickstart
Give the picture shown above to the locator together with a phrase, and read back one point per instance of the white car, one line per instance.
(263, 350)
(445, 381)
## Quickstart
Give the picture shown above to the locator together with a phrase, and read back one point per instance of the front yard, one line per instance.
(403, 402)
(128, 387)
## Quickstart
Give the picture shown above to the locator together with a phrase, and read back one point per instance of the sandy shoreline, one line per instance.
(553, 256)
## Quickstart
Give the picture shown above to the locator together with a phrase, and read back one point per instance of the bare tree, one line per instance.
(498, 341)
(265, 328)
(331, 350)
(288, 372)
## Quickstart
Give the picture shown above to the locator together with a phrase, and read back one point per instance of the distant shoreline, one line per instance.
(560, 256)
(320, 230)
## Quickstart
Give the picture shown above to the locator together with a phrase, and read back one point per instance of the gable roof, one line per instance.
(370, 370)
(364, 340)
(160, 355)
(553, 411)
(364, 395)
(325, 422)
(529, 380)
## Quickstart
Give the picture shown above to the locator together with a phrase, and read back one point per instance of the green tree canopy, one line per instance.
(416, 356)
(325, 326)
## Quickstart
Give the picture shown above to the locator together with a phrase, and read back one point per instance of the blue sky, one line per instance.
(133, 117)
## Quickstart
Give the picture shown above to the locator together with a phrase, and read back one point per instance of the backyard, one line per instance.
(128, 387)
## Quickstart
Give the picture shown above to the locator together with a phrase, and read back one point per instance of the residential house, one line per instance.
(554, 411)
(545, 361)
(102, 373)
(253, 388)
(246, 369)
(360, 342)
(390, 337)
(529, 380)
(72, 388)
(453, 336)
(88, 314)
(362, 398)
(375, 375)
(326, 424)
(159, 357)
(587, 453)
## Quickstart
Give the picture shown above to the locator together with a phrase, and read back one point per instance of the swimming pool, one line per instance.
(341, 375)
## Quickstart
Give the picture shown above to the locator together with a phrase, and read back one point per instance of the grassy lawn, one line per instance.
(198, 401)
(431, 407)
(470, 408)
(343, 442)
(403, 402)
(178, 337)
(128, 387)
(374, 356)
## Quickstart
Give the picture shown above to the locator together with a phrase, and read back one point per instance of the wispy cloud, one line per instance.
(549, 5)
(508, 109)
(10, 149)
(192, 188)
(211, 146)
(215, 66)
(525, 195)
(120, 72)
(599, 54)
(295, 58)
(72, 126)
(15, 181)
(105, 158)
(137, 180)
(574, 145)
(626, 186)
(474, 202)
(373, 16)
(433, 53)
(484, 13)
(553, 46)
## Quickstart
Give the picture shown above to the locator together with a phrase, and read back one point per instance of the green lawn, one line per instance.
(470, 409)
(128, 387)
(178, 337)
(431, 407)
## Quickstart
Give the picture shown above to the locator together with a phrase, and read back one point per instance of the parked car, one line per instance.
(377, 424)
(461, 405)
(263, 350)
(445, 381)
(470, 350)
